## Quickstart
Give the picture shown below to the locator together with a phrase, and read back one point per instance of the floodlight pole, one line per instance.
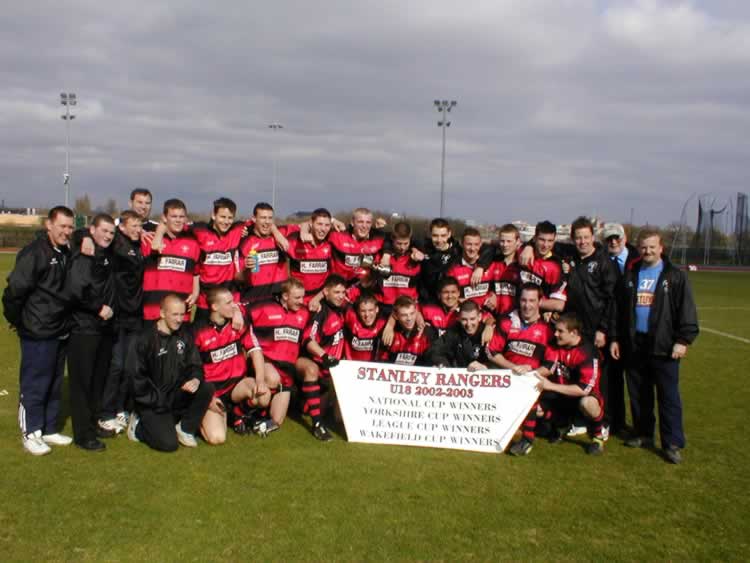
(67, 99)
(275, 126)
(443, 106)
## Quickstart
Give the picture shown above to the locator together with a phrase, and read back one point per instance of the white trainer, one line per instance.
(132, 425)
(576, 430)
(187, 440)
(57, 439)
(110, 425)
(122, 419)
(34, 444)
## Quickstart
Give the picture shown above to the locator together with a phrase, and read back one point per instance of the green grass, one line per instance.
(290, 497)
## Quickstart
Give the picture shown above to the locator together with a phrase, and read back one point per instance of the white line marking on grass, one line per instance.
(725, 334)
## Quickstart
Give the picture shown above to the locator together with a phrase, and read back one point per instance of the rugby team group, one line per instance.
(174, 331)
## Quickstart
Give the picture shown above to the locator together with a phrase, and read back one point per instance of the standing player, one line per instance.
(404, 268)
(363, 325)
(507, 269)
(127, 264)
(90, 289)
(263, 257)
(171, 262)
(310, 262)
(462, 271)
(34, 305)
(225, 352)
(441, 250)
(323, 346)
(540, 266)
(219, 240)
(520, 344)
(279, 325)
(140, 202)
(357, 248)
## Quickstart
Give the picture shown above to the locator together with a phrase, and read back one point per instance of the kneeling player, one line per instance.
(225, 351)
(166, 376)
(573, 369)
(324, 345)
(410, 344)
(363, 326)
(279, 325)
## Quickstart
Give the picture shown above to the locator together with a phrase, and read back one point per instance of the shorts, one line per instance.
(223, 390)
(286, 370)
(564, 408)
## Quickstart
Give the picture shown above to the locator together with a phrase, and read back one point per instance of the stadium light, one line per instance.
(67, 99)
(275, 126)
(443, 107)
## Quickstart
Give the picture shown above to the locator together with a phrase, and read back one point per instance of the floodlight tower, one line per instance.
(444, 107)
(67, 99)
(275, 126)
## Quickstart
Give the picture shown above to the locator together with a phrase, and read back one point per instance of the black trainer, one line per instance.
(105, 432)
(555, 436)
(596, 447)
(522, 447)
(639, 442)
(92, 445)
(321, 432)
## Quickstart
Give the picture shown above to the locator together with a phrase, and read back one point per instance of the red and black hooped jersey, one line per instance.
(438, 317)
(326, 328)
(279, 330)
(520, 343)
(402, 281)
(361, 342)
(219, 257)
(478, 293)
(408, 348)
(347, 252)
(507, 283)
(169, 271)
(224, 351)
(272, 269)
(579, 365)
(309, 264)
(547, 274)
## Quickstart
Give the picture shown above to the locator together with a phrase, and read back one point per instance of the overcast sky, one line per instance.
(564, 106)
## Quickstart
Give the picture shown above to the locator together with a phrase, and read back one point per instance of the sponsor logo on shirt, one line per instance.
(337, 337)
(396, 281)
(313, 267)
(172, 263)
(505, 288)
(477, 291)
(287, 334)
(268, 257)
(218, 259)
(530, 277)
(353, 260)
(405, 359)
(363, 344)
(522, 348)
(644, 299)
(228, 351)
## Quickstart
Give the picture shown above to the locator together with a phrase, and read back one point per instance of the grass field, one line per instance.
(290, 497)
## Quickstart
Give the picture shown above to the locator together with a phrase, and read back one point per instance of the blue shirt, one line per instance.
(644, 298)
(621, 259)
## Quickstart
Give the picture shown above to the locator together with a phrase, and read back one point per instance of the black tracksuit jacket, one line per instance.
(34, 300)
(673, 316)
(158, 364)
(128, 267)
(456, 348)
(89, 286)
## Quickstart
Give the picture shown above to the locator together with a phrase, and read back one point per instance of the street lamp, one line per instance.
(67, 99)
(443, 106)
(275, 126)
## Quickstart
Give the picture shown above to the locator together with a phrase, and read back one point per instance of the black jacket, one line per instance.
(90, 285)
(34, 300)
(158, 364)
(128, 267)
(673, 316)
(456, 348)
(591, 291)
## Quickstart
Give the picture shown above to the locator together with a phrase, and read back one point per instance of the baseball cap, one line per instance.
(612, 230)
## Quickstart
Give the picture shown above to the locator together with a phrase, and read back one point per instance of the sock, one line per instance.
(311, 393)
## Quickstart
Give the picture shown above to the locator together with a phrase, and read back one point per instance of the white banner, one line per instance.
(432, 407)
